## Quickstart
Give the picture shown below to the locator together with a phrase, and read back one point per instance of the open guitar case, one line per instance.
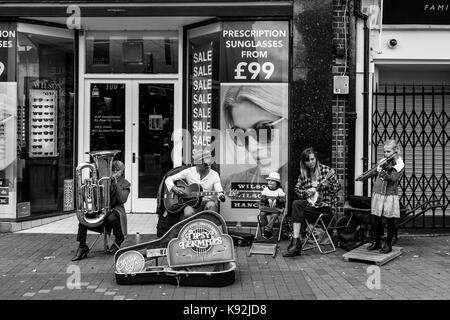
(169, 260)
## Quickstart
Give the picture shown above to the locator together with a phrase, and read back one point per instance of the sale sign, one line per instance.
(201, 93)
(255, 51)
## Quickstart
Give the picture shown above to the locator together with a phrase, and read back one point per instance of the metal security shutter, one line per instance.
(418, 118)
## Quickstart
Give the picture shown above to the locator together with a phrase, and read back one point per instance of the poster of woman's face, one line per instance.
(254, 118)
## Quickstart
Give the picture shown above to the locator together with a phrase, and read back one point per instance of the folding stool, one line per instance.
(312, 232)
(268, 247)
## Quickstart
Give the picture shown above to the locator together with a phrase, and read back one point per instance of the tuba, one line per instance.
(93, 198)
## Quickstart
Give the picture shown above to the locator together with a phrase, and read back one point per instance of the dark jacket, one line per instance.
(118, 196)
(386, 181)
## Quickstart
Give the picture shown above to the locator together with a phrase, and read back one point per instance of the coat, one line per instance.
(118, 196)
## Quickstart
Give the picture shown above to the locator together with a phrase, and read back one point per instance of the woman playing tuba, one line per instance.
(115, 220)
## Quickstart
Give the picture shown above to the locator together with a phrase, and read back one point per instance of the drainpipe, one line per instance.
(360, 15)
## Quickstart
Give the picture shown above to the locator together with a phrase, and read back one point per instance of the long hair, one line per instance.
(268, 98)
(304, 157)
(117, 164)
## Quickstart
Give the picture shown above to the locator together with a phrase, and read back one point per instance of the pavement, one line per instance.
(35, 264)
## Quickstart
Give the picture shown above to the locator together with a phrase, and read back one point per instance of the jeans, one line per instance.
(112, 222)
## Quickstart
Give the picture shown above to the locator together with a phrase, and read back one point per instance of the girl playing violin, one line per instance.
(385, 198)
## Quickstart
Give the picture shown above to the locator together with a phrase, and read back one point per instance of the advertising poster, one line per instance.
(254, 99)
(8, 45)
(8, 151)
(255, 123)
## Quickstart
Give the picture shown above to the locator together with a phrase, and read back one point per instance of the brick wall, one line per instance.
(341, 66)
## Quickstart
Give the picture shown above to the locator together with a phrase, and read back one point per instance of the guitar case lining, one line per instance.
(205, 275)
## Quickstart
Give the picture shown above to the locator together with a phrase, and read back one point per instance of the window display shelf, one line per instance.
(43, 123)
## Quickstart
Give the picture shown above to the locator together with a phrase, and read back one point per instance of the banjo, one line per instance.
(317, 196)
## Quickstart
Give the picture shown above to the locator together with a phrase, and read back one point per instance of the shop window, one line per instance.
(238, 101)
(132, 52)
(45, 116)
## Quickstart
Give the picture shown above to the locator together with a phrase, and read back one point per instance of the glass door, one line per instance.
(153, 124)
(107, 124)
(136, 117)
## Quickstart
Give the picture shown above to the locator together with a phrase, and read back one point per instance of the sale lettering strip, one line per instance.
(201, 96)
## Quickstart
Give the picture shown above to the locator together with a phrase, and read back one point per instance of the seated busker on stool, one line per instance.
(385, 200)
(314, 179)
(116, 220)
(272, 202)
(203, 175)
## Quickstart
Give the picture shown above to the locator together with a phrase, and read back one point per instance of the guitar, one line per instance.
(175, 203)
(317, 196)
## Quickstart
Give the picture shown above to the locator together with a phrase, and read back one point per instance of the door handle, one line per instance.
(134, 157)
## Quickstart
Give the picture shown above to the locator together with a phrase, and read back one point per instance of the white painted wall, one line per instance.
(413, 45)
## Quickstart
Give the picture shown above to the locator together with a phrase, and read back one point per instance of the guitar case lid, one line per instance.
(198, 250)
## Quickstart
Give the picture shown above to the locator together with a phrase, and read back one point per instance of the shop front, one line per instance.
(410, 97)
(161, 82)
(37, 120)
(154, 88)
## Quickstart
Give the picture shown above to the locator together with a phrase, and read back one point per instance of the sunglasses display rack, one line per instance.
(42, 125)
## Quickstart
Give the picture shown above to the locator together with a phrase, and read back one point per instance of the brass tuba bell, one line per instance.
(93, 198)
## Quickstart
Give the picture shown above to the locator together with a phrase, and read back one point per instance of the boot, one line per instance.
(376, 245)
(291, 244)
(81, 253)
(386, 248)
(295, 249)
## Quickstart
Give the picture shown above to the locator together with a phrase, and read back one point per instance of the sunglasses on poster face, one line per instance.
(261, 132)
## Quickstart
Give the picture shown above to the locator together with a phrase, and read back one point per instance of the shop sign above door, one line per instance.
(416, 12)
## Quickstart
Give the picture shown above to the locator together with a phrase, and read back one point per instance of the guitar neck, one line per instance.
(328, 176)
(205, 193)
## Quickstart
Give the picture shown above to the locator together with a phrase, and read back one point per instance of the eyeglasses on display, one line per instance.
(42, 99)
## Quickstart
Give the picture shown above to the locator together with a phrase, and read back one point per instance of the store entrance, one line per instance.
(137, 118)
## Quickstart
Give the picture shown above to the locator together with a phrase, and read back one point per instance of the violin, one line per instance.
(386, 164)
(390, 162)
